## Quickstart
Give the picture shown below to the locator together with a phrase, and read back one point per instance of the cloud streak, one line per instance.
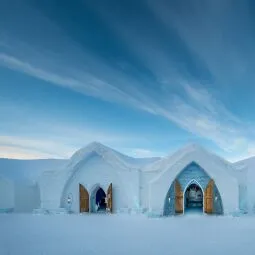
(58, 141)
(169, 90)
(202, 115)
(15, 152)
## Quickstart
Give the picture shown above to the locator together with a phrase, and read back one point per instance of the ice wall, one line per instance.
(27, 197)
(7, 195)
(94, 172)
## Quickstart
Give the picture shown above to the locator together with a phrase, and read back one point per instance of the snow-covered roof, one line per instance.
(111, 156)
(55, 181)
(245, 163)
(193, 150)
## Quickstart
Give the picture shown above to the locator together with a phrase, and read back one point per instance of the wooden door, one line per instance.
(84, 199)
(109, 198)
(178, 197)
(208, 198)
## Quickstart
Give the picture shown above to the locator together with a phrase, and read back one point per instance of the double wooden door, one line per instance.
(207, 199)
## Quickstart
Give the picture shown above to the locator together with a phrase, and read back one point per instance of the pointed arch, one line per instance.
(193, 172)
(93, 197)
(193, 181)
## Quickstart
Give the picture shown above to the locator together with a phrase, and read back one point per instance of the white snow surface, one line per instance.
(125, 235)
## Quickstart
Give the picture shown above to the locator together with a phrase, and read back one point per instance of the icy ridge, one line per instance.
(113, 157)
(194, 149)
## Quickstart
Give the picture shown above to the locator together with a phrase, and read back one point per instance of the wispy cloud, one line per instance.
(58, 140)
(208, 118)
(170, 91)
(201, 114)
(15, 152)
(26, 147)
(88, 84)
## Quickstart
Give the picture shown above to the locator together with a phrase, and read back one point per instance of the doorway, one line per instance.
(193, 199)
(100, 201)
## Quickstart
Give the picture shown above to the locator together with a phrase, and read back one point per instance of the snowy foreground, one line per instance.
(123, 234)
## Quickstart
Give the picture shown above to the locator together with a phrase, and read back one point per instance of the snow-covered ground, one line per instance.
(125, 234)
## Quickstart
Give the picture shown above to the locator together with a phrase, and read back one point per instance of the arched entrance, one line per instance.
(101, 201)
(84, 199)
(98, 200)
(186, 190)
(193, 199)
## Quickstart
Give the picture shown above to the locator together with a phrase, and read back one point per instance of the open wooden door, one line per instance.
(208, 198)
(84, 199)
(178, 198)
(109, 198)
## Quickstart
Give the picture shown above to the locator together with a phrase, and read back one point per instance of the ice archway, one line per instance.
(193, 174)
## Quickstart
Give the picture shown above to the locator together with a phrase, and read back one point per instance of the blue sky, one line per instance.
(144, 77)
